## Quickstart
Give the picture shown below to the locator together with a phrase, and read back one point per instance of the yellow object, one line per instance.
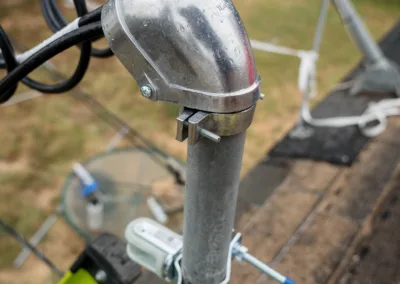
(80, 277)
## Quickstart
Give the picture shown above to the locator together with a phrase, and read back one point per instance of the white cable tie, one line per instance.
(74, 25)
(178, 269)
(377, 112)
(307, 72)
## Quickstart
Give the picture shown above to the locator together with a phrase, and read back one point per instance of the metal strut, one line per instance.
(195, 54)
(212, 184)
(380, 75)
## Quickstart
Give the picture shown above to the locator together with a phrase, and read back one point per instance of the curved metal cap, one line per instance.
(194, 53)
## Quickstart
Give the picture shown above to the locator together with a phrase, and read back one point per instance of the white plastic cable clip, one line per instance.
(153, 246)
(159, 249)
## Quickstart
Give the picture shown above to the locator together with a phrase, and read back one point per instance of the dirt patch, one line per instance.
(62, 246)
(45, 199)
(34, 270)
(318, 250)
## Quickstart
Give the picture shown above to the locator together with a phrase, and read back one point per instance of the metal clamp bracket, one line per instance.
(236, 250)
(193, 124)
(177, 261)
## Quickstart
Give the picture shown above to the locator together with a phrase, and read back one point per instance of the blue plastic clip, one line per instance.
(89, 189)
(288, 281)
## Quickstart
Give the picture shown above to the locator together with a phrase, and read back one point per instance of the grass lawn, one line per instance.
(43, 137)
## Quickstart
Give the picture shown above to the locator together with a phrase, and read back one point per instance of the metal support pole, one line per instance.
(359, 32)
(302, 129)
(319, 31)
(195, 54)
(381, 75)
(213, 175)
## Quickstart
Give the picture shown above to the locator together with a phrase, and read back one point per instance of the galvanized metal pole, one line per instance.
(213, 175)
(359, 32)
(380, 75)
(302, 129)
(319, 31)
(197, 55)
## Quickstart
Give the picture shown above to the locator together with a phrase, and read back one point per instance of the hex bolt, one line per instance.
(146, 91)
(345, 159)
(101, 276)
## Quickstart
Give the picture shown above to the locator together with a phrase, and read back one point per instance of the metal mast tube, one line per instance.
(359, 31)
(302, 129)
(319, 31)
(213, 175)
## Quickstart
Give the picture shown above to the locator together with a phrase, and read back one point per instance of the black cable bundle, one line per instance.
(10, 61)
(89, 30)
(56, 21)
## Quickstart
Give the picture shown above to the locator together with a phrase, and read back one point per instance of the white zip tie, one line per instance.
(74, 25)
(376, 112)
(307, 73)
(178, 269)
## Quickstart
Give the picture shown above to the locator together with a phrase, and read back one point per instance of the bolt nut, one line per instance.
(146, 91)
(101, 276)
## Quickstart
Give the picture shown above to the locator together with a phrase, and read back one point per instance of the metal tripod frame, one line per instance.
(380, 75)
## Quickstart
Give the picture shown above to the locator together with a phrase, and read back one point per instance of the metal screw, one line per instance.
(146, 91)
(209, 135)
(206, 133)
(101, 276)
